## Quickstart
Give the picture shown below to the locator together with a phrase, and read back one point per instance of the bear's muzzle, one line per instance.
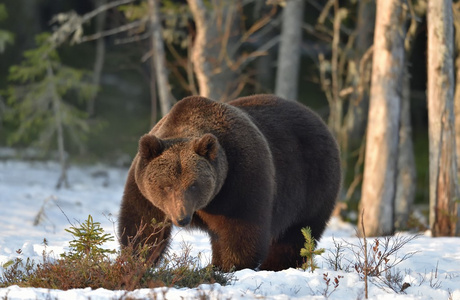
(183, 221)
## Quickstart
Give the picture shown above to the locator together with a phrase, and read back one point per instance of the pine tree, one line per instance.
(40, 101)
(88, 238)
(309, 252)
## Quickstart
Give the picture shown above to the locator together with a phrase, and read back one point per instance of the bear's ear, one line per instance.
(150, 146)
(207, 146)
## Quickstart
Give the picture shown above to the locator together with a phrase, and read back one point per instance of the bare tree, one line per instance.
(356, 117)
(333, 86)
(215, 47)
(405, 183)
(379, 182)
(158, 56)
(100, 55)
(71, 28)
(348, 80)
(345, 76)
(444, 217)
(287, 74)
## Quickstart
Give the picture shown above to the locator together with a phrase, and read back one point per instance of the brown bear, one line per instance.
(251, 173)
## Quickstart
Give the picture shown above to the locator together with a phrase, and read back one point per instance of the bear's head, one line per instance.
(180, 176)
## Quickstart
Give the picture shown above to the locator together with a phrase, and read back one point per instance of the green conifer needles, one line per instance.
(309, 252)
(45, 96)
(88, 238)
(6, 37)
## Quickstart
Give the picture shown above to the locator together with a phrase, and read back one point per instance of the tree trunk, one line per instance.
(356, 117)
(59, 128)
(217, 32)
(379, 182)
(405, 182)
(443, 165)
(158, 53)
(456, 13)
(457, 140)
(264, 76)
(335, 120)
(287, 74)
(153, 94)
(100, 55)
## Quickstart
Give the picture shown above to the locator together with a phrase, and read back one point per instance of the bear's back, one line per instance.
(305, 154)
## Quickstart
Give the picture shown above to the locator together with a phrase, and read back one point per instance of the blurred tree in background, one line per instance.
(38, 101)
(6, 37)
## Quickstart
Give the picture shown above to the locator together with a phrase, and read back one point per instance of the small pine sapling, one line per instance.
(309, 252)
(87, 241)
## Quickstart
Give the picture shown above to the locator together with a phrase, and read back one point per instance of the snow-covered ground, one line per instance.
(31, 209)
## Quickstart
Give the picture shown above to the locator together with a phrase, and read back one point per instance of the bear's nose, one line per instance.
(184, 221)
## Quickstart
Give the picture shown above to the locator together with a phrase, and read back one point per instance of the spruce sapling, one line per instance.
(309, 252)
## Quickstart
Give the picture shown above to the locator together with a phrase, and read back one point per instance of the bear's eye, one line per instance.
(193, 187)
(166, 188)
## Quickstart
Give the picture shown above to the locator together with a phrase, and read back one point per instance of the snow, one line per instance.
(28, 196)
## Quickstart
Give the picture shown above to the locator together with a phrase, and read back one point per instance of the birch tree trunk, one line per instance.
(214, 48)
(158, 56)
(443, 165)
(287, 74)
(379, 182)
(456, 14)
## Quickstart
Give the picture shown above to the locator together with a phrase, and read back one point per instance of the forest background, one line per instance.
(82, 80)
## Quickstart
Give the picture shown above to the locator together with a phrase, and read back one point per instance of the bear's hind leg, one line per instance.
(285, 252)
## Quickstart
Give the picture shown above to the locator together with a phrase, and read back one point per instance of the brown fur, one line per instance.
(251, 173)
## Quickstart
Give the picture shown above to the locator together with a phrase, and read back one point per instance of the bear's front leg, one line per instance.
(239, 245)
(141, 223)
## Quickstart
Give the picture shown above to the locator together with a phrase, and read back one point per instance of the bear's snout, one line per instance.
(184, 221)
(180, 209)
